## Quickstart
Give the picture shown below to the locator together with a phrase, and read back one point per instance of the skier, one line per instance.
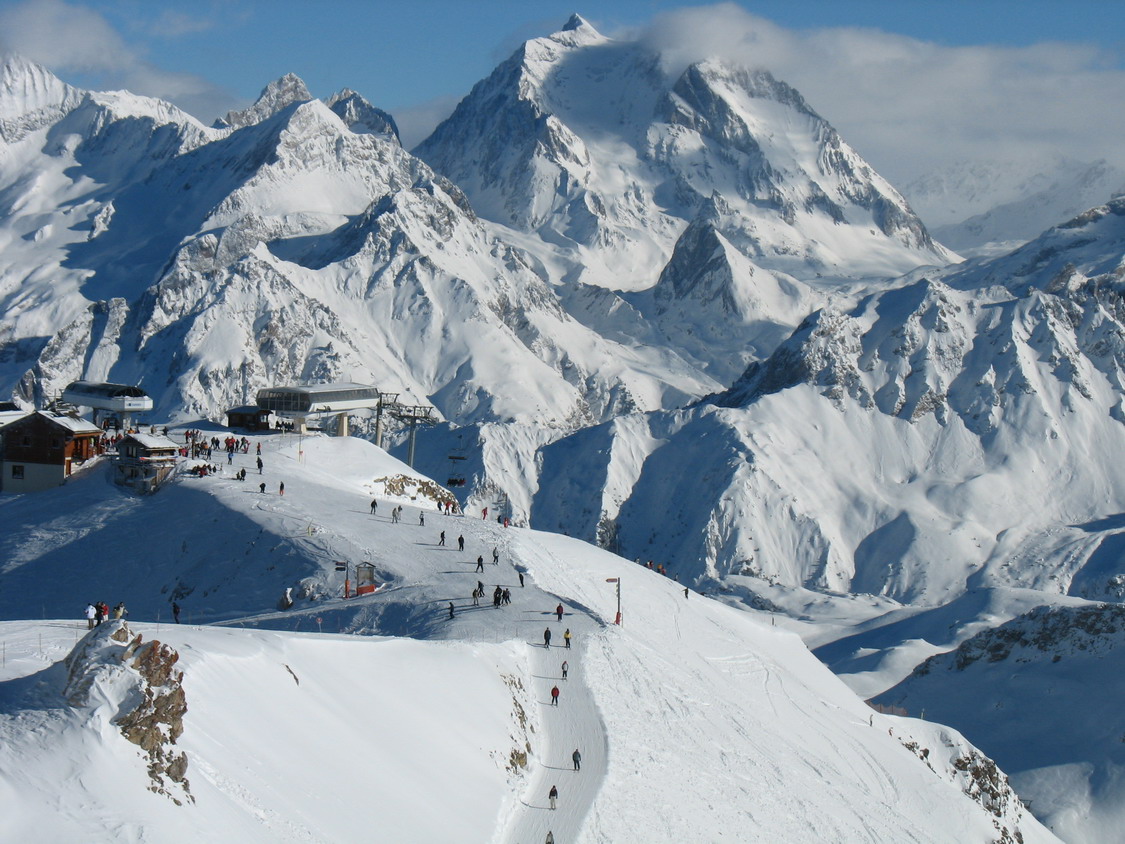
(495, 556)
(441, 541)
(480, 563)
(484, 514)
(476, 597)
(460, 543)
(559, 611)
(176, 612)
(374, 506)
(547, 638)
(565, 668)
(259, 449)
(262, 488)
(120, 610)
(281, 490)
(550, 839)
(576, 757)
(566, 638)
(421, 520)
(521, 578)
(260, 464)
(451, 609)
(553, 795)
(554, 696)
(685, 591)
(91, 614)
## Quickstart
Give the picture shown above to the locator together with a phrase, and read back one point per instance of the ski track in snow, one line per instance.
(574, 724)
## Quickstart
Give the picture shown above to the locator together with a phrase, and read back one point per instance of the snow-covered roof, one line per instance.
(7, 417)
(152, 441)
(75, 425)
(71, 423)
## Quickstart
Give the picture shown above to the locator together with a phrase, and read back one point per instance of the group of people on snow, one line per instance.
(99, 611)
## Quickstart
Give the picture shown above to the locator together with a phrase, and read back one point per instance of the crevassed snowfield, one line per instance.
(696, 722)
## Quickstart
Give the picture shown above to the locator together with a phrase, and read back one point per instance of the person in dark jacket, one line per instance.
(176, 612)
(547, 638)
(559, 611)
(576, 758)
(553, 795)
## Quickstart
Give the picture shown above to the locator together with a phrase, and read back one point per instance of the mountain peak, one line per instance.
(576, 22)
(362, 117)
(576, 31)
(280, 93)
(30, 96)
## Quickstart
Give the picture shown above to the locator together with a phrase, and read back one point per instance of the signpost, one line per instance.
(342, 565)
(616, 580)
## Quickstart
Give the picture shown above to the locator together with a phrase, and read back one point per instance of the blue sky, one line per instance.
(923, 62)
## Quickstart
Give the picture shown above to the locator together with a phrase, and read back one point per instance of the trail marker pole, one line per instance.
(616, 580)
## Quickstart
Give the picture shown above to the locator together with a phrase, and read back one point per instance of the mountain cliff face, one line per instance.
(595, 146)
(207, 263)
(911, 446)
(1031, 675)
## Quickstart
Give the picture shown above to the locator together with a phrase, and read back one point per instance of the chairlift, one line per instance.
(456, 477)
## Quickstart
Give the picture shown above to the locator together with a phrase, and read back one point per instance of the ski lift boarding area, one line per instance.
(299, 402)
(119, 398)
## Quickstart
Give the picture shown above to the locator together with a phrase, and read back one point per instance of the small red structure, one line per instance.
(365, 579)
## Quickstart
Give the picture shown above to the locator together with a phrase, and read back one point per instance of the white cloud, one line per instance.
(70, 39)
(911, 106)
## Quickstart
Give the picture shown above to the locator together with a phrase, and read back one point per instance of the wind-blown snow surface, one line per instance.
(703, 722)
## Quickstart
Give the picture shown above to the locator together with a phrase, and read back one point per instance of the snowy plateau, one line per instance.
(661, 313)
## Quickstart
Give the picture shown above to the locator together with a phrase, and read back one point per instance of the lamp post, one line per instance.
(616, 580)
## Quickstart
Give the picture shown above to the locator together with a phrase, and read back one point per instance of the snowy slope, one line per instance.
(1033, 675)
(931, 439)
(777, 748)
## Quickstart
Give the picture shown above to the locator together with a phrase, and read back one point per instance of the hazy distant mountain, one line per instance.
(971, 205)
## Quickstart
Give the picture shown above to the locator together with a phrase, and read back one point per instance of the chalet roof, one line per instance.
(75, 425)
(70, 423)
(247, 408)
(153, 442)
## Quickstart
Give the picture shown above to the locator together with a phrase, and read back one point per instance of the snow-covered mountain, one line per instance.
(713, 192)
(1032, 675)
(207, 263)
(975, 206)
(893, 448)
(596, 145)
(694, 721)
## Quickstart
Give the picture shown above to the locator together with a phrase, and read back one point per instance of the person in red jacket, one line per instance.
(555, 696)
(559, 611)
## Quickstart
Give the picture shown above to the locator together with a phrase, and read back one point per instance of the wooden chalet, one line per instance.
(39, 450)
(144, 461)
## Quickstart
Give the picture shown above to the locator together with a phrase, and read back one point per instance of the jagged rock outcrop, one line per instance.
(279, 94)
(112, 669)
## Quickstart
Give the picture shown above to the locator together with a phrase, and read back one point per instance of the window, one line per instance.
(17, 473)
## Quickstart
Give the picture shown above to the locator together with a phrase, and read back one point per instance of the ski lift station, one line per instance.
(121, 400)
(299, 403)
